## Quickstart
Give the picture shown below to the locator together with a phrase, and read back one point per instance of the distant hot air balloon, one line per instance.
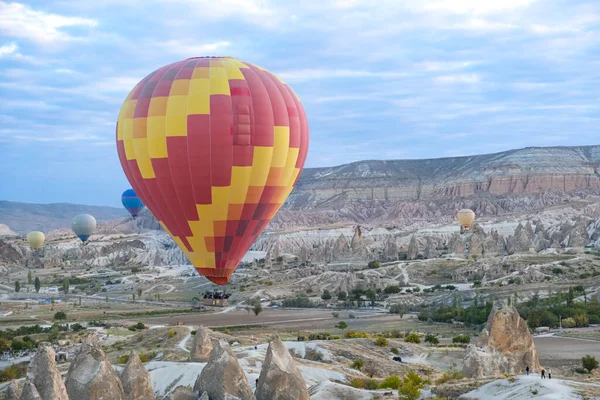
(465, 217)
(83, 225)
(213, 146)
(132, 202)
(35, 239)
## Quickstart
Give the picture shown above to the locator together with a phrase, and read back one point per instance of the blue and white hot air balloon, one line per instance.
(132, 202)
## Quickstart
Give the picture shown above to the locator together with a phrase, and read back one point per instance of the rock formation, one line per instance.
(91, 375)
(30, 392)
(280, 378)
(183, 393)
(223, 375)
(136, 380)
(505, 346)
(201, 346)
(204, 396)
(10, 393)
(44, 374)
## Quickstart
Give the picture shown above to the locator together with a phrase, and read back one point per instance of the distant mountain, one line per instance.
(25, 217)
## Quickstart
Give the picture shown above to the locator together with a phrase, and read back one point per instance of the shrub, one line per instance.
(557, 271)
(123, 359)
(412, 338)
(355, 335)
(351, 316)
(568, 323)
(381, 341)
(589, 362)
(341, 325)
(60, 315)
(193, 332)
(12, 372)
(171, 334)
(335, 314)
(466, 339)
(313, 354)
(429, 338)
(147, 357)
(449, 376)
(391, 382)
(357, 364)
(326, 295)
(392, 289)
(395, 350)
(374, 265)
(580, 370)
(408, 391)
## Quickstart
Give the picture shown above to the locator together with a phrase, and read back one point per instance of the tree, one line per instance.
(66, 285)
(392, 289)
(133, 296)
(589, 362)
(257, 308)
(37, 284)
(374, 265)
(326, 295)
(357, 364)
(139, 292)
(371, 295)
(341, 295)
(29, 277)
(17, 286)
(4, 344)
(412, 338)
(60, 315)
(341, 325)
(570, 296)
(429, 338)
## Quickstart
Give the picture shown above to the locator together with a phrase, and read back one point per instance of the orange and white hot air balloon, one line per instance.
(465, 217)
(213, 146)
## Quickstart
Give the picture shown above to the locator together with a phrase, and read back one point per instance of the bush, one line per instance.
(355, 335)
(171, 334)
(357, 364)
(568, 323)
(313, 354)
(395, 350)
(123, 359)
(412, 338)
(391, 382)
(374, 265)
(557, 271)
(193, 332)
(429, 338)
(60, 315)
(466, 339)
(326, 295)
(341, 325)
(589, 362)
(11, 373)
(381, 341)
(335, 314)
(449, 376)
(146, 357)
(392, 289)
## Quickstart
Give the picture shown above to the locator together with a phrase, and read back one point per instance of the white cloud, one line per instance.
(315, 74)
(475, 7)
(21, 21)
(188, 49)
(472, 78)
(7, 49)
(480, 24)
(435, 66)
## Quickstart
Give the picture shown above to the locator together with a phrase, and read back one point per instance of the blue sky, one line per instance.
(379, 79)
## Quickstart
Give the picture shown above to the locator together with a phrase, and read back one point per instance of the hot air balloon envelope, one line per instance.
(212, 146)
(35, 239)
(132, 202)
(465, 217)
(83, 225)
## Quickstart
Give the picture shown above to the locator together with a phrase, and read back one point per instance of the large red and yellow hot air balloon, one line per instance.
(213, 146)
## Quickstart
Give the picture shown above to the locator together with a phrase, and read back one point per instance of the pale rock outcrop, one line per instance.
(44, 374)
(201, 346)
(10, 393)
(280, 378)
(390, 251)
(223, 375)
(91, 375)
(30, 392)
(183, 393)
(136, 380)
(505, 346)
(204, 396)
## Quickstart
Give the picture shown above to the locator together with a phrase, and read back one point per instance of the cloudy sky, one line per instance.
(379, 79)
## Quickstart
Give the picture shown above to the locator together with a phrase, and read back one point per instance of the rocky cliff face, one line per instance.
(44, 375)
(201, 346)
(91, 375)
(279, 377)
(223, 375)
(504, 346)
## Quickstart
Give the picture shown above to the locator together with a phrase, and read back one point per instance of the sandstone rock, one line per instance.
(44, 374)
(201, 346)
(504, 346)
(223, 375)
(91, 375)
(136, 380)
(280, 378)
(11, 392)
(184, 393)
(30, 392)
